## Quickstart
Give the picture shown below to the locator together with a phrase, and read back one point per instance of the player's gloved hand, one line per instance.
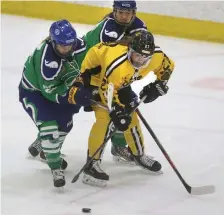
(79, 95)
(95, 97)
(128, 98)
(120, 118)
(153, 91)
(129, 107)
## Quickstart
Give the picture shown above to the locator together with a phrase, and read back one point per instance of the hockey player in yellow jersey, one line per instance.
(119, 65)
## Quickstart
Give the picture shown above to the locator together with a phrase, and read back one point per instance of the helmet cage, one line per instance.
(138, 60)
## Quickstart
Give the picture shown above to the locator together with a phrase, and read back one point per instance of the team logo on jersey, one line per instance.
(112, 34)
(70, 123)
(52, 64)
(49, 89)
(136, 77)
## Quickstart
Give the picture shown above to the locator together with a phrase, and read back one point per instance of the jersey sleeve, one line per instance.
(91, 60)
(91, 67)
(165, 68)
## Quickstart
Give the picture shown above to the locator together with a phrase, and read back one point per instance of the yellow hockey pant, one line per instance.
(102, 128)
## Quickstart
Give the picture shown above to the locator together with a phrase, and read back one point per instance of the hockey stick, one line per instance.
(76, 177)
(110, 93)
(192, 190)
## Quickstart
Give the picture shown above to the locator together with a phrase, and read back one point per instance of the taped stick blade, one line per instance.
(110, 92)
(209, 189)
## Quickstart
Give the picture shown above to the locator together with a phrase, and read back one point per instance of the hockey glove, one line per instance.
(120, 118)
(95, 96)
(153, 91)
(79, 95)
(129, 107)
(128, 98)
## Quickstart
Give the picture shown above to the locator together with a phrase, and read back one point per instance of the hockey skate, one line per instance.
(58, 177)
(148, 163)
(122, 154)
(94, 175)
(35, 148)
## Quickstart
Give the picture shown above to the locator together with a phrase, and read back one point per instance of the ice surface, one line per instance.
(189, 121)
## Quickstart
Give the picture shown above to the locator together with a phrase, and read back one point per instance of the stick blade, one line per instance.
(75, 179)
(209, 189)
(110, 92)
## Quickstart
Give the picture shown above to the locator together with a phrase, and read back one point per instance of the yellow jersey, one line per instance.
(111, 63)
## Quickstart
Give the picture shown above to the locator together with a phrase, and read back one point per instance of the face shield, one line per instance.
(138, 60)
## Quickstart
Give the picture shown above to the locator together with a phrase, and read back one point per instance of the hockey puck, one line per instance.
(86, 210)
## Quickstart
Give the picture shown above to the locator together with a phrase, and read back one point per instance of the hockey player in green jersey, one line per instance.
(51, 92)
(120, 24)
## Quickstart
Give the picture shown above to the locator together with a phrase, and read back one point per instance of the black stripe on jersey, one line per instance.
(167, 58)
(115, 63)
(159, 51)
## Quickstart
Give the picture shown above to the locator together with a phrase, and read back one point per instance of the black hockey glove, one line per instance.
(95, 96)
(129, 107)
(153, 91)
(128, 98)
(120, 118)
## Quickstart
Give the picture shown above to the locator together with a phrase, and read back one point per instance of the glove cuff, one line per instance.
(71, 95)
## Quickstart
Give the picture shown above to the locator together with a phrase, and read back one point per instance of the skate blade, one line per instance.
(160, 172)
(87, 179)
(59, 189)
(120, 160)
(154, 173)
(63, 155)
(37, 158)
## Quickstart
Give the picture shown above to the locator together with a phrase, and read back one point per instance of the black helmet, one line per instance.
(143, 43)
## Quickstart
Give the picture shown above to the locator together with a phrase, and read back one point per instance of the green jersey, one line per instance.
(50, 74)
